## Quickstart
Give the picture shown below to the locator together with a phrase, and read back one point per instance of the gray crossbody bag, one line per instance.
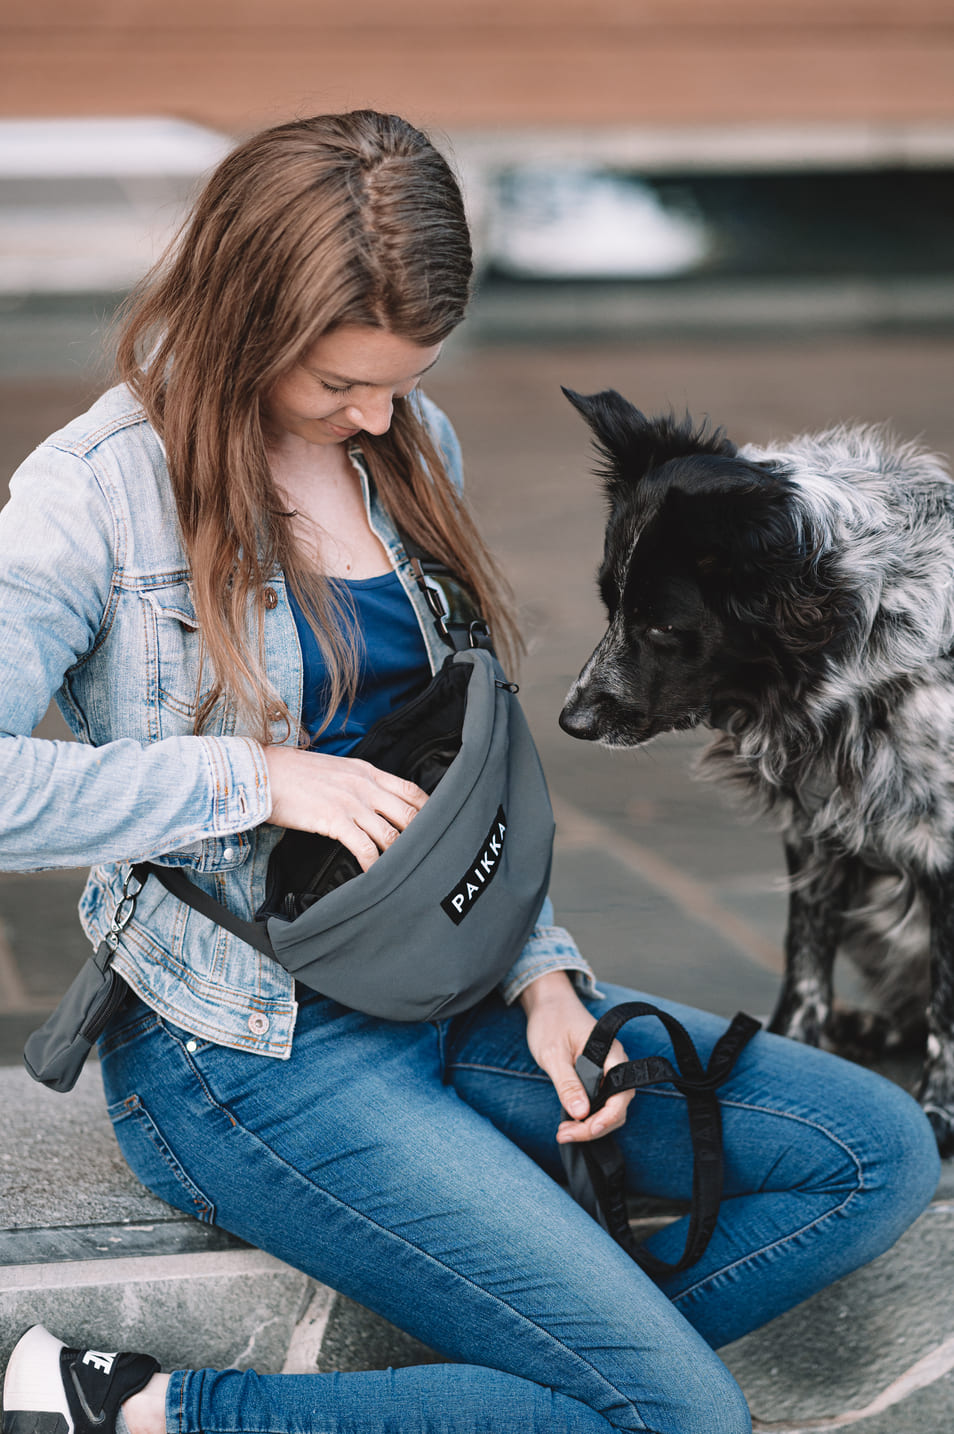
(439, 918)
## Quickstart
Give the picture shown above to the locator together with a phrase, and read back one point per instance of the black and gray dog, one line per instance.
(800, 600)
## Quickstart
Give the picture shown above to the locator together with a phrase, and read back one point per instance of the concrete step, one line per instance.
(87, 1251)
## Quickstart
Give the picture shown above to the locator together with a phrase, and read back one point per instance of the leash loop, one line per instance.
(595, 1168)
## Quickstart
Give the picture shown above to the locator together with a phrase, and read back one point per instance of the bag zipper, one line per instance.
(118, 992)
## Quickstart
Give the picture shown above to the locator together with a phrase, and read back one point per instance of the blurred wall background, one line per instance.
(629, 164)
(484, 63)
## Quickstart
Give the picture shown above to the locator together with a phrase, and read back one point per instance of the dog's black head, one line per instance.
(705, 572)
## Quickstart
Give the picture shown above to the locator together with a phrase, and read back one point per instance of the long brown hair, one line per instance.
(339, 219)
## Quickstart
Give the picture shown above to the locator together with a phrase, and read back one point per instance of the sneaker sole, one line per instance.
(34, 1400)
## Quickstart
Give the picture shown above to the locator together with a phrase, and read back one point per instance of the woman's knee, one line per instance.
(681, 1389)
(729, 1411)
(875, 1154)
(905, 1168)
(842, 1130)
(706, 1400)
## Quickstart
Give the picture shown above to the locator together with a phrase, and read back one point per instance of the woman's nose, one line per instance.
(373, 413)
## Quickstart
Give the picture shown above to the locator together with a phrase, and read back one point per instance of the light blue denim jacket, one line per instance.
(96, 610)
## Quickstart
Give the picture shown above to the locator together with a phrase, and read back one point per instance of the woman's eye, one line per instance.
(330, 388)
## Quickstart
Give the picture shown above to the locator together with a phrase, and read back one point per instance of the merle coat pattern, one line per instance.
(800, 600)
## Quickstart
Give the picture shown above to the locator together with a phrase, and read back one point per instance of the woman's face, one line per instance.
(345, 384)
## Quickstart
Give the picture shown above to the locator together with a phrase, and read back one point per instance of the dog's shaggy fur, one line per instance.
(800, 600)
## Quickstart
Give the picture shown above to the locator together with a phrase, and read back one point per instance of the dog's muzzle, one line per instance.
(579, 720)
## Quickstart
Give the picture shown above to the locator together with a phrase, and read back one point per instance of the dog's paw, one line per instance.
(804, 1025)
(936, 1094)
(942, 1123)
(858, 1035)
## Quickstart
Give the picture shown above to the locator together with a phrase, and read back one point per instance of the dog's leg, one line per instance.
(811, 941)
(887, 939)
(936, 1091)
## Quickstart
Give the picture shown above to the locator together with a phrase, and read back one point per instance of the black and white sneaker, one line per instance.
(49, 1389)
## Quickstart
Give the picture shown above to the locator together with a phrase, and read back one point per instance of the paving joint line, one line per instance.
(577, 828)
(924, 1372)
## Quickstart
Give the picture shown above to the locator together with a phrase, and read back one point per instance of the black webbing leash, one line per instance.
(595, 1168)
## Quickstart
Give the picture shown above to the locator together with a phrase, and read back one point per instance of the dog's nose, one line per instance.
(579, 720)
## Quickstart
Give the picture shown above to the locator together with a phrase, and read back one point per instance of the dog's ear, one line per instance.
(757, 554)
(614, 420)
(631, 445)
(732, 514)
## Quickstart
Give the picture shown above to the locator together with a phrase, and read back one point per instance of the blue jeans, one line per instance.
(413, 1167)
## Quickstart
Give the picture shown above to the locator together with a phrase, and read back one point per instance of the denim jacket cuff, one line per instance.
(240, 791)
(548, 948)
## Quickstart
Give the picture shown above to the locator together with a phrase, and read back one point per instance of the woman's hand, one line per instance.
(361, 806)
(558, 1027)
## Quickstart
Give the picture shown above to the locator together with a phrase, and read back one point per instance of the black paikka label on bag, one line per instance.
(474, 882)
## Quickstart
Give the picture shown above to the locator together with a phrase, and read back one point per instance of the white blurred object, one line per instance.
(72, 251)
(89, 204)
(574, 223)
(73, 148)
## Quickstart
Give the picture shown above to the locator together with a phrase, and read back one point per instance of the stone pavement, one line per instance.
(663, 885)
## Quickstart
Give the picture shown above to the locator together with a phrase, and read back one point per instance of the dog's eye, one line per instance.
(659, 631)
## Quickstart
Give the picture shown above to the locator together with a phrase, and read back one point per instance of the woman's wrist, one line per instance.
(552, 988)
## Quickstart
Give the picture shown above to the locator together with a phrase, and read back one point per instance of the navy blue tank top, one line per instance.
(392, 662)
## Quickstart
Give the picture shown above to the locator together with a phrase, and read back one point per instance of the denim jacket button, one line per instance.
(228, 853)
(270, 598)
(257, 1023)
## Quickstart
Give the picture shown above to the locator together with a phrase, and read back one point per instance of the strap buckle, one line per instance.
(433, 596)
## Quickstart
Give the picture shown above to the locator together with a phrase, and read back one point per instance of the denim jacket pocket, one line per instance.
(174, 653)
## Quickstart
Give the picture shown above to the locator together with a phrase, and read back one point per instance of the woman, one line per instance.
(203, 565)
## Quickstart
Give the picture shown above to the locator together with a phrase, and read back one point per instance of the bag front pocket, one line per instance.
(56, 1053)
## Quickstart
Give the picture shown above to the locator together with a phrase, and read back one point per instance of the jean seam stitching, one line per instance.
(793, 1234)
(165, 1152)
(496, 1070)
(395, 1235)
(181, 1410)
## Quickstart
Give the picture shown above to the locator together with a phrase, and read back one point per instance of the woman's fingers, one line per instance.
(610, 1116)
(397, 807)
(345, 798)
(558, 1028)
(389, 786)
(374, 835)
(361, 846)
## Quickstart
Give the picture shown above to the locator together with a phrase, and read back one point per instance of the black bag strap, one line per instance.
(255, 933)
(595, 1168)
(458, 634)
